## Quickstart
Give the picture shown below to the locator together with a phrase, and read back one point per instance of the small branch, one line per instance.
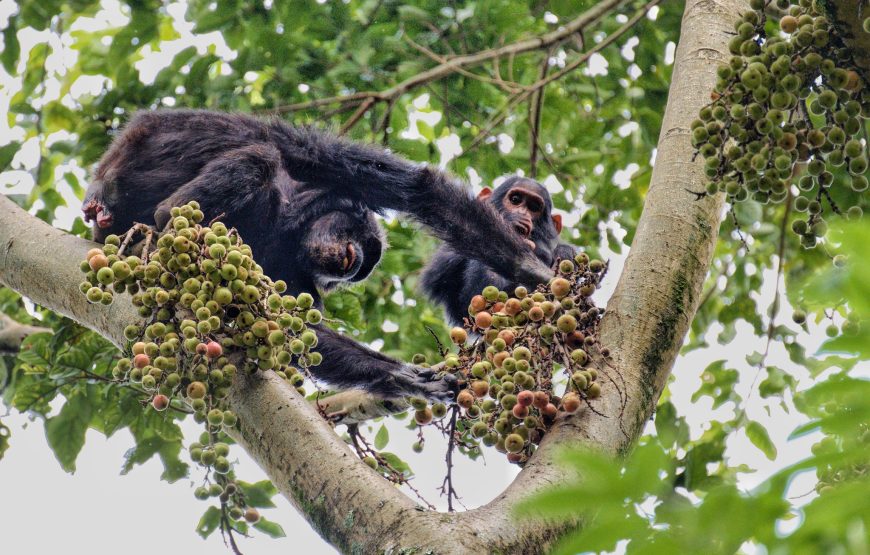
(12, 333)
(447, 486)
(356, 116)
(535, 110)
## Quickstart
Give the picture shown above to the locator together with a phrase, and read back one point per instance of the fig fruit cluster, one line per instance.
(209, 312)
(512, 353)
(788, 108)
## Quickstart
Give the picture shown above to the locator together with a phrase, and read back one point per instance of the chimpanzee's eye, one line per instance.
(516, 199)
(534, 206)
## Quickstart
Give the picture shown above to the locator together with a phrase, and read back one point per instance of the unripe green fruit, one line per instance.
(313, 316)
(514, 443)
(304, 301)
(566, 323)
(215, 417)
(277, 338)
(222, 465)
(230, 419)
(208, 457)
(309, 338)
(490, 293)
(799, 317)
(250, 294)
(297, 346)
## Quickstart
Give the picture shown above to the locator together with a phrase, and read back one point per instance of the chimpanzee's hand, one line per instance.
(532, 271)
(428, 382)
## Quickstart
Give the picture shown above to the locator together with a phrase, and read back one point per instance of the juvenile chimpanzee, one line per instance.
(305, 202)
(452, 278)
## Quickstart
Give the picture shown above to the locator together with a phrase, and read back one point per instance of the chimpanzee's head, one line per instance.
(526, 205)
(341, 245)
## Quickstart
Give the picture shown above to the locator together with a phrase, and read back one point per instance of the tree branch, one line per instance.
(645, 324)
(454, 64)
(12, 333)
(848, 17)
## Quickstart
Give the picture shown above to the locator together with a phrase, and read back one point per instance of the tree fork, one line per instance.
(646, 321)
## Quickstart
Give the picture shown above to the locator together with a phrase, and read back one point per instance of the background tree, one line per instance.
(572, 93)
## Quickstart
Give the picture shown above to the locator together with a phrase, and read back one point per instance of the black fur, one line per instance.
(304, 201)
(452, 278)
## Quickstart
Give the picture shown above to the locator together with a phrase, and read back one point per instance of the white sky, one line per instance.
(44, 510)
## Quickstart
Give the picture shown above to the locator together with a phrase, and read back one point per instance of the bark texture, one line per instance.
(646, 322)
(848, 17)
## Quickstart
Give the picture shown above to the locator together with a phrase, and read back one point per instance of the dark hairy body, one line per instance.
(304, 201)
(451, 278)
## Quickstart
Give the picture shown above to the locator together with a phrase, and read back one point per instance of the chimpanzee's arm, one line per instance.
(452, 280)
(384, 181)
(347, 364)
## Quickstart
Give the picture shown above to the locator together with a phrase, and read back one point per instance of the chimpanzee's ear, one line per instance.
(557, 221)
(484, 193)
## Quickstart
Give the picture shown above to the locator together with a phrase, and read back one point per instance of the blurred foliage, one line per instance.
(74, 71)
(660, 500)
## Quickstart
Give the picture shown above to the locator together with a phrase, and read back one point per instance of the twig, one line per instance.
(447, 485)
(360, 112)
(774, 307)
(535, 109)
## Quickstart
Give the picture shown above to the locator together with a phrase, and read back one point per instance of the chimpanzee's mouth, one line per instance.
(523, 229)
(349, 258)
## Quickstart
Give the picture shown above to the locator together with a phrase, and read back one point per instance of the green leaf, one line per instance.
(7, 153)
(398, 464)
(66, 431)
(209, 522)
(757, 434)
(11, 48)
(258, 494)
(271, 529)
(382, 438)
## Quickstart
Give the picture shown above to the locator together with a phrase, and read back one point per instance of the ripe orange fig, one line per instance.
(477, 304)
(160, 402)
(465, 399)
(483, 320)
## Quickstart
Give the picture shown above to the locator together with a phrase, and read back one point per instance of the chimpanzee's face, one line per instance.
(342, 246)
(526, 206)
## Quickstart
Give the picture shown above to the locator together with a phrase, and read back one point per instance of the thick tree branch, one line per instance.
(452, 65)
(848, 17)
(42, 263)
(646, 322)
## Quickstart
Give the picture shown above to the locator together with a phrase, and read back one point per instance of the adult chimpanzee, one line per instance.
(452, 278)
(305, 202)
